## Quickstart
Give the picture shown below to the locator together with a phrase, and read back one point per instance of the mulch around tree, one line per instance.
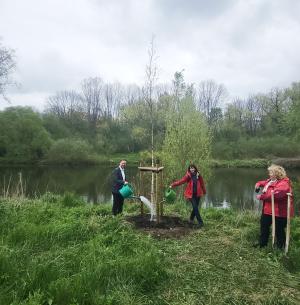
(169, 226)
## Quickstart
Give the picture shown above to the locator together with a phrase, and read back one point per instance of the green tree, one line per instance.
(187, 140)
(22, 137)
(291, 119)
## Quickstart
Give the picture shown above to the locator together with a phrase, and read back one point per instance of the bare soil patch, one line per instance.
(169, 226)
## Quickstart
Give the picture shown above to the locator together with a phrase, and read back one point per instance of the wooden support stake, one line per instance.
(273, 219)
(157, 199)
(288, 224)
(161, 195)
(141, 191)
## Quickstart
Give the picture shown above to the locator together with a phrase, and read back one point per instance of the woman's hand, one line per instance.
(257, 188)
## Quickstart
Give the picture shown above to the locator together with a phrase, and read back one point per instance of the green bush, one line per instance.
(71, 200)
(70, 151)
(23, 137)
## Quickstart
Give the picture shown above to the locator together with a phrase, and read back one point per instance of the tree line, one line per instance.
(106, 118)
(101, 118)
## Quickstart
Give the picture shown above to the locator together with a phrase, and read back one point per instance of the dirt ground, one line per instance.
(169, 226)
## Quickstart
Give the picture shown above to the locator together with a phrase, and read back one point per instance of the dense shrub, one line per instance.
(70, 150)
(23, 137)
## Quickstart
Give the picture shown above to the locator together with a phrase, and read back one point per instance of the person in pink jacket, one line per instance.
(195, 188)
(280, 185)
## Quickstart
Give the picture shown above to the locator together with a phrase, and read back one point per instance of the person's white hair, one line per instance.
(277, 170)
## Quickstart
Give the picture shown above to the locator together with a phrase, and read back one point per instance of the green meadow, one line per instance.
(59, 250)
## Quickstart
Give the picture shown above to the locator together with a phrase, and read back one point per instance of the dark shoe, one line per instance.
(200, 225)
(191, 223)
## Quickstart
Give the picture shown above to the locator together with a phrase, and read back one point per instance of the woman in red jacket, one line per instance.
(280, 184)
(195, 188)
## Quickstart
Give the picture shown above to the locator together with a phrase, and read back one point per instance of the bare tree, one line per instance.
(210, 95)
(7, 67)
(64, 103)
(274, 101)
(148, 92)
(235, 111)
(114, 97)
(252, 114)
(133, 93)
(93, 97)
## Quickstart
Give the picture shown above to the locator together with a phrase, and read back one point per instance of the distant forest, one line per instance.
(99, 119)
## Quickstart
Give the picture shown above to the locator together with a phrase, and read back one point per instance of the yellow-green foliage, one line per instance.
(187, 140)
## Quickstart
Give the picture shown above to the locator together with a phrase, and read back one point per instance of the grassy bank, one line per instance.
(57, 250)
(248, 163)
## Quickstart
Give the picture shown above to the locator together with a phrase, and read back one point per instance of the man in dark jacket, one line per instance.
(118, 180)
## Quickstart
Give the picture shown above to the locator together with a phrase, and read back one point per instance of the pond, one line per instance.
(228, 186)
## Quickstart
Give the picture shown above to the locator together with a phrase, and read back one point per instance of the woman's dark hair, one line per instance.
(194, 166)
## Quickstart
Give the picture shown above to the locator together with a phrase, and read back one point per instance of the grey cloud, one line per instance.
(194, 8)
(49, 72)
(244, 44)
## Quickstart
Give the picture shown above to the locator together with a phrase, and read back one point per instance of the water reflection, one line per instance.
(227, 187)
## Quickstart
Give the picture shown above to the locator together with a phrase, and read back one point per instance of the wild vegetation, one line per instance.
(98, 119)
(263, 126)
(58, 250)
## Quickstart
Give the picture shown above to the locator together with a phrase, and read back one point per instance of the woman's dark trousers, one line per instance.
(195, 212)
(265, 224)
(118, 201)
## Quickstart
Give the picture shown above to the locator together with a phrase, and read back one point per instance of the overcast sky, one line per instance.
(249, 46)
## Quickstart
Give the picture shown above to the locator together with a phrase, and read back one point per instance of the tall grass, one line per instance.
(53, 253)
(56, 250)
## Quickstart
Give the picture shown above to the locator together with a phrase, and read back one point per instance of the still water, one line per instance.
(228, 186)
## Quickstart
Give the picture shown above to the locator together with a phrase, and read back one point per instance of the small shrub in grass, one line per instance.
(180, 207)
(217, 214)
(295, 231)
(50, 197)
(35, 298)
(71, 200)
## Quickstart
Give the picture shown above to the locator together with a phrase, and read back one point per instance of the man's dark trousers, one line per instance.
(118, 201)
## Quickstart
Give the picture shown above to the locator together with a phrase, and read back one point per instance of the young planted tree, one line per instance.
(151, 79)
